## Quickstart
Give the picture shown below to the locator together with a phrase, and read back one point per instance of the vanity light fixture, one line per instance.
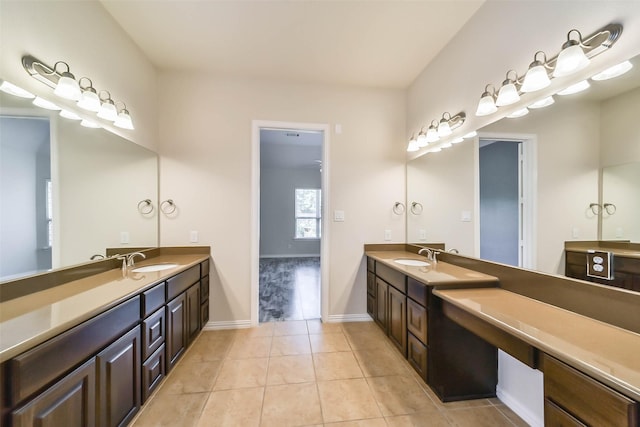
(432, 132)
(69, 115)
(536, 77)
(446, 145)
(544, 102)
(458, 140)
(108, 109)
(124, 118)
(435, 150)
(470, 134)
(89, 124)
(444, 129)
(11, 89)
(575, 88)
(518, 113)
(43, 103)
(413, 144)
(422, 138)
(508, 93)
(572, 57)
(89, 99)
(615, 71)
(67, 86)
(487, 104)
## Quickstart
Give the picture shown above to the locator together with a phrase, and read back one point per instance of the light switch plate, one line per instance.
(387, 235)
(338, 128)
(465, 216)
(338, 216)
(193, 236)
(423, 234)
(124, 237)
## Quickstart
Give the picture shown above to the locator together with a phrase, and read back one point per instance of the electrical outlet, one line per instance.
(124, 237)
(387, 235)
(193, 237)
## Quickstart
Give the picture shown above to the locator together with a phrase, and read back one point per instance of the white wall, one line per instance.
(205, 147)
(85, 36)
(277, 212)
(620, 131)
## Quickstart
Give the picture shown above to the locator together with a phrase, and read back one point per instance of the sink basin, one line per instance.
(154, 267)
(411, 262)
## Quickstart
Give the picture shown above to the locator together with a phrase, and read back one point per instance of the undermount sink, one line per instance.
(154, 267)
(411, 262)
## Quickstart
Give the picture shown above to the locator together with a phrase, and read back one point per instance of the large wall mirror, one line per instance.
(68, 192)
(532, 180)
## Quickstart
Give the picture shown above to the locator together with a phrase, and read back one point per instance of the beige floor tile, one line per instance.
(233, 408)
(227, 334)
(372, 422)
(208, 349)
(419, 419)
(242, 373)
(400, 395)
(512, 416)
(367, 340)
(317, 326)
(327, 343)
(183, 410)
(380, 362)
(461, 404)
(486, 416)
(360, 326)
(291, 405)
(262, 330)
(291, 327)
(336, 366)
(191, 377)
(290, 345)
(345, 400)
(290, 369)
(250, 347)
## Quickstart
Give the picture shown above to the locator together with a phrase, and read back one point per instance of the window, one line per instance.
(308, 211)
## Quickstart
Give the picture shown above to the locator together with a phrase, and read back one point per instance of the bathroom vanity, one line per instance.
(91, 351)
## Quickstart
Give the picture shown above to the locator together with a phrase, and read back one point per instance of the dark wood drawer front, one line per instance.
(71, 402)
(204, 313)
(153, 370)
(180, 282)
(41, 365)
(204, 268)
(417, 320)
(417, 355)
(418, 291)
(554, 416)
(153, 332)
(586, 399)
(204, 288)
(578, 258)
(371, 305)
(371, 265)
(153, 299)
(371, 283)
(392, 277)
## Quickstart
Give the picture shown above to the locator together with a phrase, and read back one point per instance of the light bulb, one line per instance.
(570, 60)
(68, 87)
(124, 120)
(432, 134)
(89, 100)
(535, 79)
(444, 129)
(108, 111)
(422, 139)
(413, 146)
(487, 105)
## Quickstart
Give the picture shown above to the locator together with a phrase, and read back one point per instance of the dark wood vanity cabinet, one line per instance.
(389, 303)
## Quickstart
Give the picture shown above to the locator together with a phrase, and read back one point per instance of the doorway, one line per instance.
(289, 239)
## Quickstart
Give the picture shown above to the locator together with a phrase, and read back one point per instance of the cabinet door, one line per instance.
(71, 402)
(555, 416)
(152, 372)
(119, 380)
(193, 312)
(176, 339)
(417, 355)
(397, 320)
(381, 304)
(204, 313)
(153, 332)
(371, 283)
(417, 320)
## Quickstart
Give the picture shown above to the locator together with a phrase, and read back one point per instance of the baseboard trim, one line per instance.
(349, 318)
(291, 256)
(227, 324)
(517, 407)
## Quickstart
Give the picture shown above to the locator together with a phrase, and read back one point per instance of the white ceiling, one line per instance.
(377, 43)
(290, 149)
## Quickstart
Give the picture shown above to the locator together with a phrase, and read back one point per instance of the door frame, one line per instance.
(529, 192)
(256, 125)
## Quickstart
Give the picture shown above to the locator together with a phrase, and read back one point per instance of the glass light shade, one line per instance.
(422, 139)
(443, 128)
(615, 71)
(89, 124)
(570, 60)
(124, 120)
(458, 140)
(435, 150)
(413, 146)
(470, 135)
(108, 111)
(69, 115)
(446, 145)
(432, 134)
(535, 79)
(575, 88)
(545, 102)
(89, 101)
(507, 95)
(68, 87)
(518, 113)
(43, 103)
(14, 90)
(486, 105)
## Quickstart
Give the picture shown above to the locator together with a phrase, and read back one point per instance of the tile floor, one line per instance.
(305, 373)
(289, 289)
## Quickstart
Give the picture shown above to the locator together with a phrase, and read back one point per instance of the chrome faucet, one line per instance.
(131, 256)
(431, 254)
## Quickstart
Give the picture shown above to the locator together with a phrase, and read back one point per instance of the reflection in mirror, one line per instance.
(571, 141)
(68, 192)
(621, 202)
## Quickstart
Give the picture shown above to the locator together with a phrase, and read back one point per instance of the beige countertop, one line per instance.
(34, 318)
(440, 273)
(605, 352)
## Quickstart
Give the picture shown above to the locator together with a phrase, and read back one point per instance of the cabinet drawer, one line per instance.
(417, 355)
(554, 416)
(392, 277)
(371, 283)
(417, 320)
(204, 268)
(153, 332)
(577, 258)
(153, 299)
(418, 291)
(371, 265)
(588, 400)
(39, 366)
(153, 370)
(180, 282)
(204, 288)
